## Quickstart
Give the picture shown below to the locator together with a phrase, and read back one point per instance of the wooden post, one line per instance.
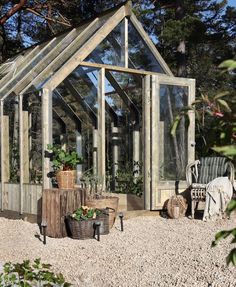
(155, 140)
(101, 128)
(136, 150)
(191, 129)
(124, 43)
(47, 133)
(5, 164)
(21, 143)
(95, 151)
(79, 151)
(25, 124)
(147, 138)
(115, 152)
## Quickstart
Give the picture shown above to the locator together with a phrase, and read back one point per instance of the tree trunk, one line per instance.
(181, 48)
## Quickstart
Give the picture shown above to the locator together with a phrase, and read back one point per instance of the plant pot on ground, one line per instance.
(82, 222)
(96, 198)
(64, 165)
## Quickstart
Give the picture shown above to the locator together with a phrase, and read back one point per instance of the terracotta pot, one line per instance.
(66, 179)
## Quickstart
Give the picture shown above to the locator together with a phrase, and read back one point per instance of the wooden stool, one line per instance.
(56, 203)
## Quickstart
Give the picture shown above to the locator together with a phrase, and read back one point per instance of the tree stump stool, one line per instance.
(56, 203)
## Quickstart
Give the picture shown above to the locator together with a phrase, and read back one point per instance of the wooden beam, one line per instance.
(136, 149)
(86, 49)
(46, 134)
(101, 128)
(165, 79)
(5, 163)
(150, 45)
(155, 139)
(191, 127)
(95, 152)
(147, 139)
(124, 43)
(21, 149)
(115, 152)
(25, 115)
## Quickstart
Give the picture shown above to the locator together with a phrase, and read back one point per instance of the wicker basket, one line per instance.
(109, 202)
(176, 206)
(66, 179)
(86, 228)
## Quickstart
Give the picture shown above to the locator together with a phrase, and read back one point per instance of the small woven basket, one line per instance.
(176, 206)
(84, 229)
(66, 179)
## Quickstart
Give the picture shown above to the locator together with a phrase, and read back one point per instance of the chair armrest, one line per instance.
(231, 170)
(191, 170)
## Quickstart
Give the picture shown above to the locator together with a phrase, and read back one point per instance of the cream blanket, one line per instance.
(218, 194)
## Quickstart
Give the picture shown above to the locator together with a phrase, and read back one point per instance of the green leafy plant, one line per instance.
(62, 159)
(230, 151)
(28, 274)
(85, 213)
(231, 258)
(129, 180)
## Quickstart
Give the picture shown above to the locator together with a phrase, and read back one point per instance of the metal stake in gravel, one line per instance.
(44, 229)
(121, 215)
(97, 229)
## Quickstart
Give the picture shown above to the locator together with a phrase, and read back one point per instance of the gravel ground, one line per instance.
(152, 251)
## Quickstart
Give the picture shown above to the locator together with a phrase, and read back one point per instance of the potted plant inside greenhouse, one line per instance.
(97, 197)
(64, 164)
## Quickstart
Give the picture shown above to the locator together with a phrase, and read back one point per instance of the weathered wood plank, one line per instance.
(47, 133)
(101, 128)
(147, 139)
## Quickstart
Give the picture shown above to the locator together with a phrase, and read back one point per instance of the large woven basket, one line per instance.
(84, 229)
(176, 206)
(66, 179)
(109, 202)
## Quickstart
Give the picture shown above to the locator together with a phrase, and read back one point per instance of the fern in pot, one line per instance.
(64, 164)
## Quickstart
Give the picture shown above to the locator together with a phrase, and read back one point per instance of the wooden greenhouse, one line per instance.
(104, 89)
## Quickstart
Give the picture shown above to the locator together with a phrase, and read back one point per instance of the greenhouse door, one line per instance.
(166, 156)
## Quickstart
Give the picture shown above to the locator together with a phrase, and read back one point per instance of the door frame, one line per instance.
(157, 192)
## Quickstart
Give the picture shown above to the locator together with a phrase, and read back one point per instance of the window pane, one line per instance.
(173, 149)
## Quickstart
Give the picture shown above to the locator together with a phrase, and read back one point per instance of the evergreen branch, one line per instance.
(12, 11)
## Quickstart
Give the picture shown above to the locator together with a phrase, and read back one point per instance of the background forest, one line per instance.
(193, 36)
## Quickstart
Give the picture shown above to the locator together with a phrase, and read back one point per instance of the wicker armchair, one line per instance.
(201, 172)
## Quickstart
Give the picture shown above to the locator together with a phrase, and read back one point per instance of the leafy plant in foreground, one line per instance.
(26, 274)
(230, 151)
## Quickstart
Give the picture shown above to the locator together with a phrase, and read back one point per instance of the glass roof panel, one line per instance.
(27, 69)
(109, 51)
(55, 60)
(17, 64)
(139, 54)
